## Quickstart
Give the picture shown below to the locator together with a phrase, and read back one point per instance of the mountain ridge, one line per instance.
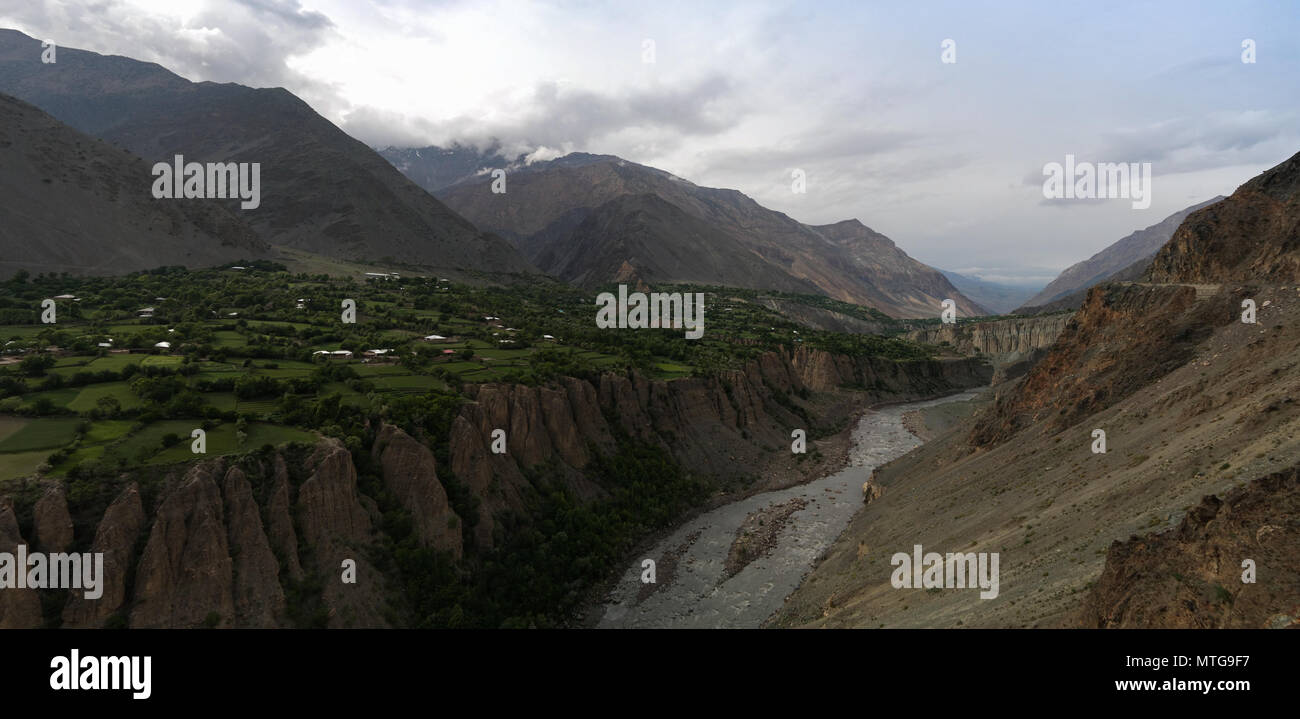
(546, 201)
(322, 190)
(75, 203)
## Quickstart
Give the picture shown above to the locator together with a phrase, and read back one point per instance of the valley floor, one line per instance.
(692, 586)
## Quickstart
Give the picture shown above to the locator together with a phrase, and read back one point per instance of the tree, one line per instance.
(35, 365)
(108, 405)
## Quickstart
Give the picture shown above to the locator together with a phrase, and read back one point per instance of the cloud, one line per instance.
(1193, 144)
(244, 41)
(555, 114)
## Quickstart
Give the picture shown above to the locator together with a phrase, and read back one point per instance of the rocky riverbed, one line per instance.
(698, 591)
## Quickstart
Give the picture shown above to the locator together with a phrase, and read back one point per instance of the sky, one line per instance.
(946, 158)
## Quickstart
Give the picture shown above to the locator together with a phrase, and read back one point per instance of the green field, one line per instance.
(9, 425)
(20, 464)
(107, 430)
(45, 433)
(228, 339)
(113, 362)
(89, 396)
(160, 361)
(222, 440)
(408, 383)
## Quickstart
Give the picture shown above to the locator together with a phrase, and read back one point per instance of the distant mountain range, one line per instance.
(997, 297)
(322, 191)
(1125, 260)
(590, 219)
(75, 204)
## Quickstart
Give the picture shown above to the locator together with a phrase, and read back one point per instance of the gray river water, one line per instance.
(698, 597)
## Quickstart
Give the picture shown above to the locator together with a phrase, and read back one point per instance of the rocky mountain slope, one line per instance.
(1191, 576)
(76, 204)
(260, 541)
(1137, 248)
(321, 190)
(1192, 401)
(1253, 239)
(586, 217)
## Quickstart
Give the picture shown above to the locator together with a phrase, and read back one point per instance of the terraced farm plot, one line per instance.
(112, 362)
(9, 425)
(257, 326)
(223, 401)
(350, 397)
(228, 339)
(461, 367)
(61, 397)
(150, 439)
(669, 370)
(161, 361)
(222, 440)
(107, 430)
(284, 373)
(408, 384)
(285, 364)
(381, 370)
(503, 354)
(20, 332)
(88, 398)
(21, 464)
(46, 433)
(260, 407)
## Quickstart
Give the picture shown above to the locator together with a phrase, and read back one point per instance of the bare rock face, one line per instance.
(1124, 337)
(1253, 236)
(338, 528)
(409, 471)
(186, 574)
(115, 538)
(258, 596)
(1004, 341)
(585, 406)
(871, 491)
(52, 523)
(280, 531)
(494, 478)
(19, 608)
(1192, 575)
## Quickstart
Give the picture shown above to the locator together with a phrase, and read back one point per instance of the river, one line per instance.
(698, 596)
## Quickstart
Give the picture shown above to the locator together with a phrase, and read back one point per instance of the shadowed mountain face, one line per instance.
(1115, 263)
(718, 236)
(322, 191)
(75, 204)
(661, 243)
